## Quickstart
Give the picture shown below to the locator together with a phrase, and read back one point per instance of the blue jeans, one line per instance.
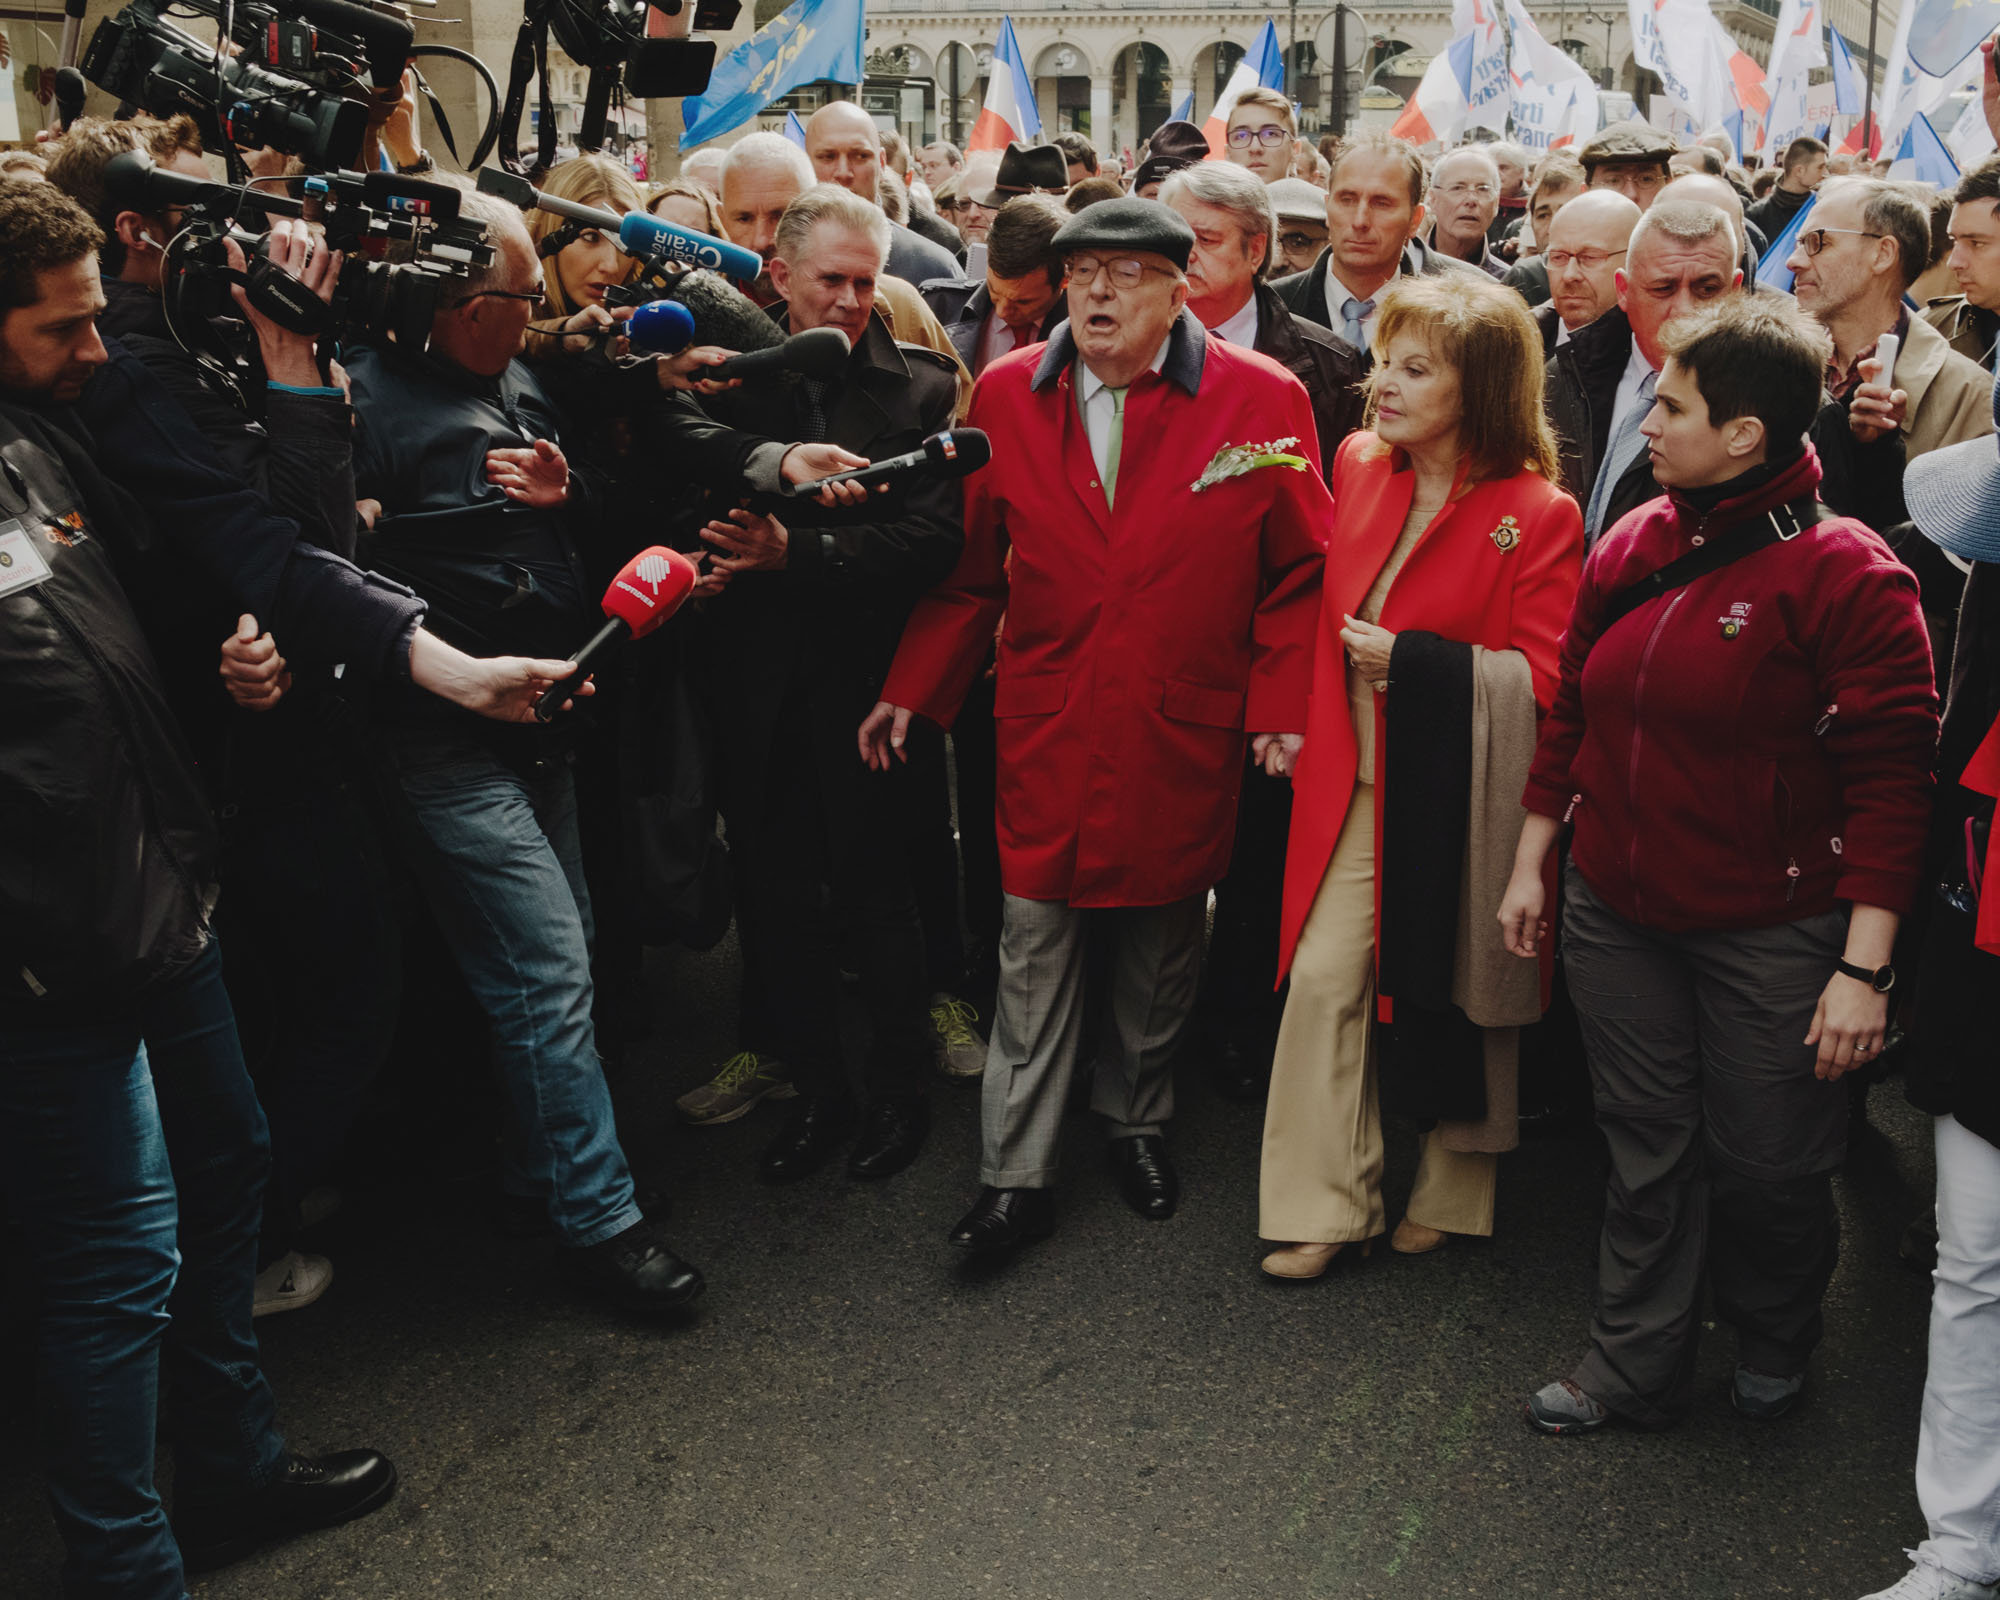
(496, 848)
(117, 1139)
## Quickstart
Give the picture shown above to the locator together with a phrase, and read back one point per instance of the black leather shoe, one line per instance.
(1145, 1176)
(635, 1270)
(1004, 1218)
(815, 1127)
(892, 1132)
(1241, 1066)
(309, 1492)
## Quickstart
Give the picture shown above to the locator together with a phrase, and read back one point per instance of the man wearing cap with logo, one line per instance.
(1152, 529)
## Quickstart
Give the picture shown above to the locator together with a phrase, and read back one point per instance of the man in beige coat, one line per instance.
(1865, 243)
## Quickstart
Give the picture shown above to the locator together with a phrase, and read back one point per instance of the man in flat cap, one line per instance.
(1633, 159)
(1158, 493)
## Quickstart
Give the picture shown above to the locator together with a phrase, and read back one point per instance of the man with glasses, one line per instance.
(1301, 211)
(1464, 199)
(1158, 610)
(1260, 134)
(1587, 241)
(1860, 250)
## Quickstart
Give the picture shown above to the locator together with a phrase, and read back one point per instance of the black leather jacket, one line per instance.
(107, 853)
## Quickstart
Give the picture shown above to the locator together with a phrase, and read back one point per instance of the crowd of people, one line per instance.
(1316, 474)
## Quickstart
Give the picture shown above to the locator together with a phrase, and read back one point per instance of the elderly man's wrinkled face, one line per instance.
(832, 283)
(1638, 181)
(1299, 243)
(1222, 266)
(1665, 278)
(1121, 305)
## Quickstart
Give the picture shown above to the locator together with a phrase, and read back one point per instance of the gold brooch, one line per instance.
(1507, 535)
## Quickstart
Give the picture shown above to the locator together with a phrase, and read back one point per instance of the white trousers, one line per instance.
(1958, 1449)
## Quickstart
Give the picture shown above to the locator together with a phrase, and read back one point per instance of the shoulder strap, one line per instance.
(1746, 538)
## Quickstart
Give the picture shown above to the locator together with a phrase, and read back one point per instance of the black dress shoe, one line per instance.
(1004, 1218)
(309, 1492)
(1241, 1066)
(635, 1270)
(892, 1132)
(1145, 1176)
(815, 1127)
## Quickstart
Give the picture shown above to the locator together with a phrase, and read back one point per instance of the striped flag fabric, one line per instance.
(1010, 112)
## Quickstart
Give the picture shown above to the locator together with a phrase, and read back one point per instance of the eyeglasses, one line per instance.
(1270, 136)
(1814, 239)
(1125, 272)
(1300, 241)
(532, 296)
(1589, 260)
(1458, 191)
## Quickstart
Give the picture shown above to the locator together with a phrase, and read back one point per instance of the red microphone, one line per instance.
(648, 589)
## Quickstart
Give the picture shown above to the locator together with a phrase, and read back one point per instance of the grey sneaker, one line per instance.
(1764, 1396)
(743, 1080)
(1927, 1582)
(1564, 1408)
(295, 1279)
(961, 1053)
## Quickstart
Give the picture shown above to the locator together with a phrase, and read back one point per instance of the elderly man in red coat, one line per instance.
(1160, 495)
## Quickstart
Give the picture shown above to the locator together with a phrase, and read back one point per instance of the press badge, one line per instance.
(22, 564)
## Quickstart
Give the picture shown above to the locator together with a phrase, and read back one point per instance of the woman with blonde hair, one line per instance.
(690, 204)
(1449, 574)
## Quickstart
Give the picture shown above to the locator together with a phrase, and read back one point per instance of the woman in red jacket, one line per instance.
(1743, 738)
(1452, 563)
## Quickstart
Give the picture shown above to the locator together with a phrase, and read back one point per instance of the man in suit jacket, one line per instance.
(813, 600)
(1232, 215)
(1374, 208)
(1156, 616)
(845, 148)
(1021, 301)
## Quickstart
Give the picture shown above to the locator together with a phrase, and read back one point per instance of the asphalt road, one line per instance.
(1126, 1413)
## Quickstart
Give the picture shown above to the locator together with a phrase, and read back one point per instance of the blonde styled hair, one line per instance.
(700, 194)
(590, 181)
(1483, 329)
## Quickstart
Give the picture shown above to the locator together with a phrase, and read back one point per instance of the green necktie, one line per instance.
(1113, 444)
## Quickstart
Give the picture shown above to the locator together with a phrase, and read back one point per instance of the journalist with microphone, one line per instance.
(814, 597)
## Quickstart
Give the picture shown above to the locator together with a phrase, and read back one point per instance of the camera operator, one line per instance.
(132, 1149)
(459, 446)
(315, 955)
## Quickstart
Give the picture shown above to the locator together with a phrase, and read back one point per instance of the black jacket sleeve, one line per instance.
(323, 607)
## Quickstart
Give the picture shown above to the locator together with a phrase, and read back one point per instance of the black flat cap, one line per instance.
(1174, 145)
(1629, 141)
(1024, 169)
(1128, 225)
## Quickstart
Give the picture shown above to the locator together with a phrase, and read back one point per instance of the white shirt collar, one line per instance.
(1241, 329)
(1089, 383)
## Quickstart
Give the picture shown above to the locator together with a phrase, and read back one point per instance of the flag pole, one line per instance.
(1868, 83)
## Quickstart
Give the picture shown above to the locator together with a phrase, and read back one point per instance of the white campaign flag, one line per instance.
(1553, 95)
(1490, 93)
(1680, 42)
(1798, 45)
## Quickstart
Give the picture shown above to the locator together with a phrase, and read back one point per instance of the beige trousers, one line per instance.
(1322, 1173)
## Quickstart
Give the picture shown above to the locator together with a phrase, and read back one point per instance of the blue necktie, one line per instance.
(1618, 456)
(1352, 315)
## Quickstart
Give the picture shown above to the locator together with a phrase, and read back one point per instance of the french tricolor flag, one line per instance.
(1010, 112)
(1263, 67)
(1437, 111)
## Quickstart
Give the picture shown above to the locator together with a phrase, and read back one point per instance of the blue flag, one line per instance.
(1184, 112)
(1922, 156)
(794, 129)
(1268, 57)
(1848, 92)
(1772, 273)
(1944, 32)
(808, 41)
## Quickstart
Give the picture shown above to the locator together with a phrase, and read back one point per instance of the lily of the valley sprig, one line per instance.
(1233, 460)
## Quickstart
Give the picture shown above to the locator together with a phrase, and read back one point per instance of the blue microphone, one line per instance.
(641, 234)
(665, 327)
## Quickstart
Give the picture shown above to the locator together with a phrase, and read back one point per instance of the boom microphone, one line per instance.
(648, 589)
(955, 454)
(816, 353)
(724, 315)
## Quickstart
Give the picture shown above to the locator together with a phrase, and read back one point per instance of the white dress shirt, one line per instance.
(1337, 296)
(1241, 329)
(995, 340)
(1628, 388)
(1098, 408)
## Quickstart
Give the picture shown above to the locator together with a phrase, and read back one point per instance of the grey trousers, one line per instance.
(1153, 968)
(1723, 1144)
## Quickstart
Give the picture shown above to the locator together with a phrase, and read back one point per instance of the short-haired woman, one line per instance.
(1448, 576)
(1743, 739)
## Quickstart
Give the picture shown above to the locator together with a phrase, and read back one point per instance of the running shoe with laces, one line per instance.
(961, 1053)
(1561, 1407)
(295, 1279)
(1926, 1581)
(743, 1080)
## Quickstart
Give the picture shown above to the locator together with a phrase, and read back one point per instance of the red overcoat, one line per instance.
(1475, 577)
(1141, 642)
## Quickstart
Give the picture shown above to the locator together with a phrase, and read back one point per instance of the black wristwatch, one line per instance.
(1881, 979)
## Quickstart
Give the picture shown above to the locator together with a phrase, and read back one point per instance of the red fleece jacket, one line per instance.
(1756, 746)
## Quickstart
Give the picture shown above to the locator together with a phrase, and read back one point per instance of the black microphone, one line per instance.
(387, 38)
(69, 96)
(956, 454)
(816, 353)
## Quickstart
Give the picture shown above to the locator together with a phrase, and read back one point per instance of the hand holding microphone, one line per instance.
(956, 453)
(648, 589)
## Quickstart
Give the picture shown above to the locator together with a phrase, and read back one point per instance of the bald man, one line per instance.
(845, 148)
(1587, 241)
(1721, 193)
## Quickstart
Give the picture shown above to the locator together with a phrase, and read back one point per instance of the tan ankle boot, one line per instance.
(1301, 1263)
(1414, 1239)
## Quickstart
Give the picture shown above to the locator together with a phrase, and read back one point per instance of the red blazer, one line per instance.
(1141, 642)
(1474, 577)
